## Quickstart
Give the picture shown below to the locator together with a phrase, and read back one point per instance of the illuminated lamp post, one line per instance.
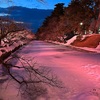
(81, 25)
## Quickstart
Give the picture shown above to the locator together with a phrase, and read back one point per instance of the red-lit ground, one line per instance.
(79, 71)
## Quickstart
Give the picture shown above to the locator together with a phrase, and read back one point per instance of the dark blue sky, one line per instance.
(47, 4)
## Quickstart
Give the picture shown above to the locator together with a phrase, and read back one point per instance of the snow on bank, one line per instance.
(14, 40)
(9, 89)
(68, 43)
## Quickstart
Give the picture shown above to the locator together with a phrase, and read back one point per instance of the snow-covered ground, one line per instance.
(8, 44)
(78, 69)
(16, 39)
(97, 49)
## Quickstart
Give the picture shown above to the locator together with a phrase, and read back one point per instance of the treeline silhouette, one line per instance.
(80, 17)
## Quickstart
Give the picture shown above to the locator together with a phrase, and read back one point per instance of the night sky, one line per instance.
(47, 4)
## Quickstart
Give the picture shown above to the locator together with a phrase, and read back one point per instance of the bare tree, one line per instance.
(7, 27)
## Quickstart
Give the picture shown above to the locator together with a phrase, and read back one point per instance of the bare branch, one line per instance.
(30, 77)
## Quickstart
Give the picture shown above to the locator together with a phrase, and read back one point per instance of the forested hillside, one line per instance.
(80, 17)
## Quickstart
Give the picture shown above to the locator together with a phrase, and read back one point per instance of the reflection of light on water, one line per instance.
(4, 14)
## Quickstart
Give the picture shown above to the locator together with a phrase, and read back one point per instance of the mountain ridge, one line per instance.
(32, 16)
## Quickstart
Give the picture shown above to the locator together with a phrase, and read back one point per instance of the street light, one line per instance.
(81, 23)
(81, 26)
